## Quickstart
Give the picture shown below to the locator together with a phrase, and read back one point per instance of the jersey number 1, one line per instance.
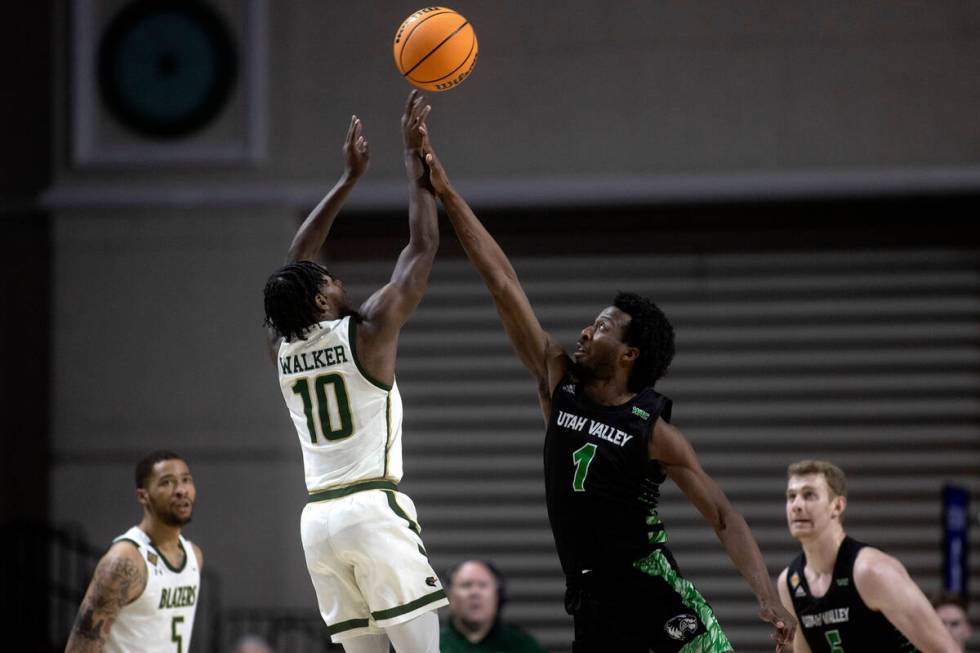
(583, 458)
(328, 428)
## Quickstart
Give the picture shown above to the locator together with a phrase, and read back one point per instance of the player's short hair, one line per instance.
(943, 597)
(290, 298)
(650, 331)
(836, 480)
(498, 578)
(144, 468)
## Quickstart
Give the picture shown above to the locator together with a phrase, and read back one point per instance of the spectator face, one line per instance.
(473, 595)
(956, 621)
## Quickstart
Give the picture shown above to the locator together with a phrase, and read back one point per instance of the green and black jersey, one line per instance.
(602, 489)
(839, 621)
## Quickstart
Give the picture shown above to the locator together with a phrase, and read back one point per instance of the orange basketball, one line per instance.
(435, 49)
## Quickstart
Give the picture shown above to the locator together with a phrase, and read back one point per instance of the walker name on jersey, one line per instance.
(177, 597)
(835, 616)
(313, 360)
(598, 429)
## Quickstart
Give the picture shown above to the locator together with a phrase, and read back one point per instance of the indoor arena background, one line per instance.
(795, 183)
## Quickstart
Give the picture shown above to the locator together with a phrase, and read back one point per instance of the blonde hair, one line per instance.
(836, 480)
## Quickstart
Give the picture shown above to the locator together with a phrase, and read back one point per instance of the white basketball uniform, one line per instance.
(360, 535)
(162, 618)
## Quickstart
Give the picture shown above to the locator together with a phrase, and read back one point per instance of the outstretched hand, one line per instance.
(437, 174)
(783, 622)
(413, 122)
(357, 156)
(413, 135)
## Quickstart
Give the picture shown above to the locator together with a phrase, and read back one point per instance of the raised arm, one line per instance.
(313, 232)
(884, 585)
(537, 349)
(119, 579)
(675, 453)
(387, 310)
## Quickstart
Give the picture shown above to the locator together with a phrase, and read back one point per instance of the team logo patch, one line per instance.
(843, 582)
(794, 580)
(151, 557)
(681, 627)
(431, 581)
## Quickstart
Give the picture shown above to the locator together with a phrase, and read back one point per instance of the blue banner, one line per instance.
(956, 528)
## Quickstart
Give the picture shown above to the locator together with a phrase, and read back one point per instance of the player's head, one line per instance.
(165, 487)
(477, 592)
(952, 609)
(299, 295)
(816, 496)
(634, 336)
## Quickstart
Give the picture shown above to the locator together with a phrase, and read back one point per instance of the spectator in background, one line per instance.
(951, 608)
(477, 593)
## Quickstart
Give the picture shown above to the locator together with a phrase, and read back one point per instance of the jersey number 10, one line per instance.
(330, 429)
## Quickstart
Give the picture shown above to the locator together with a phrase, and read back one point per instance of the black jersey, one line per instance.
(839, 620)
(602, 488)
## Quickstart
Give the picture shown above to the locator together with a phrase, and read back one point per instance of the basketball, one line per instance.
(435, 49)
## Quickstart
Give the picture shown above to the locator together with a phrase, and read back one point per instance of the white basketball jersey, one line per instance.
(162, 618)
(349, 425)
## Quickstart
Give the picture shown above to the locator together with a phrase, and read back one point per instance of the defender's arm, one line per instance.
(119, 579)
(675, 453)
(538, 350)
(798, 643)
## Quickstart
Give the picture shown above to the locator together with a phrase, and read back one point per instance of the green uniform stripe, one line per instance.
(408, 607)
(388, 425)
(323, 495)
(713, 640)
(346, 625)
(352, 331)
(401, 513)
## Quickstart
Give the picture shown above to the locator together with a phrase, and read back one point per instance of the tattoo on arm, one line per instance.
(115, 580)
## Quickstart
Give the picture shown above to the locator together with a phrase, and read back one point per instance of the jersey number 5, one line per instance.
(833, 638)
(335, 419)
(175, 637)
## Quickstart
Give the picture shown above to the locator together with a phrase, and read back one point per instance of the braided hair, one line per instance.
(650, 332)
(290, 298)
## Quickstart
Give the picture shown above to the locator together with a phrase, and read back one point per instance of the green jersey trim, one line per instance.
(128, 539)
(324, 495)
(711, 641)
(352, 334)
(350, 624)
(408, 607)
(401, 513)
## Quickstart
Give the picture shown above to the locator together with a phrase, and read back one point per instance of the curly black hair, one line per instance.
(651, 333)
(290, 298)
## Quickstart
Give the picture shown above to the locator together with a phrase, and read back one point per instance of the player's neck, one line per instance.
(821, 551)
(473, 632)
(165, 538)
(608, 392)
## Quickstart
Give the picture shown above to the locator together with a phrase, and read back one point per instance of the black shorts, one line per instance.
(647, 607)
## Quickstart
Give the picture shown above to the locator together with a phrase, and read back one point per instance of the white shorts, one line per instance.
(366, 560)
